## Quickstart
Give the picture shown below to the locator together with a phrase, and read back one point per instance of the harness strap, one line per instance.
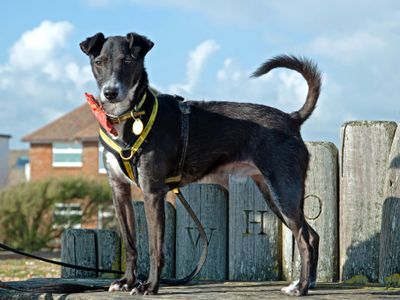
(126, 156)
(185, 111)
(139, 141)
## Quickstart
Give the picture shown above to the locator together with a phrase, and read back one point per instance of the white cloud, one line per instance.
(221, 74)
(4, 82)
(52, 69)
(37, 56)
(348, 47)
(293, 89)
(230, 72)
(39, 45)
(39, 80)
(78, 75)
(196, 61)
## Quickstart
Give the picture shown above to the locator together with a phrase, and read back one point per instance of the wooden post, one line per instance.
(364, 160)
(389, 254)
(209, 202)
(142, 243)
(108, 252)
(78, 247)
(254, 234)
(321, 212)
(90, 248)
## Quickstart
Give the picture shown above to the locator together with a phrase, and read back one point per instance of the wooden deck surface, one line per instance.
(201, 291)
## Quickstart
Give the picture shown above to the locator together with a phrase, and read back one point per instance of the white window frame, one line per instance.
(102, 170)
(66, 150)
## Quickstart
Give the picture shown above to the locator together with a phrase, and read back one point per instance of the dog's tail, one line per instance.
(310, 73)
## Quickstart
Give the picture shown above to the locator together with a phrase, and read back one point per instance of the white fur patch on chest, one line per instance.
(115, 169)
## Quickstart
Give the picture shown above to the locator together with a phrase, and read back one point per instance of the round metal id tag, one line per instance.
(137, 127)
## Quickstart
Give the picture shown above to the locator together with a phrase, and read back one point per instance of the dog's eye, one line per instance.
(98, 63)
(127, 61)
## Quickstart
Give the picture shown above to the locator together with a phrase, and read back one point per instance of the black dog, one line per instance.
(222, 138)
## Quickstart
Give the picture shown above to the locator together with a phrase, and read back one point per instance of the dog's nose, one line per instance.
(111, 93)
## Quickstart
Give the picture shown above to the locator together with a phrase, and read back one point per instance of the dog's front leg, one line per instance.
(155, 217)
(124, 211)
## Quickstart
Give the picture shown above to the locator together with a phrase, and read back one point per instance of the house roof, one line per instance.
(79, 124)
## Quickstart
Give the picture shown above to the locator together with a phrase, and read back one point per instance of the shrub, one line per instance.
(392, 280)
(26, 210)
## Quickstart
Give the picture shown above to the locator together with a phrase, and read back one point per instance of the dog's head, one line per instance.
(117, 64)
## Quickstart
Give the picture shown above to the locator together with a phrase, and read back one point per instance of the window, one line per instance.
(67, 155)
(102, 169)
(67, 215)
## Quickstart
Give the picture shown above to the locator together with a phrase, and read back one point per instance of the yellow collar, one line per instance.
(134, 113)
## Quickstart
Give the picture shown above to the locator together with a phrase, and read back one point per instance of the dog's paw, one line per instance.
(144, 289)
(293, 290)
(121, 285)
(115, 287)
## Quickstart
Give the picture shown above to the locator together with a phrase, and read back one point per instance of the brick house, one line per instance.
(66, 146)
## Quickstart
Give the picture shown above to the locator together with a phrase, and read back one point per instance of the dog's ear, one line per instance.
(139, 44)
(92, 45)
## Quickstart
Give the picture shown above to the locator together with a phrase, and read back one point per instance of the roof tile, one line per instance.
(79, 124)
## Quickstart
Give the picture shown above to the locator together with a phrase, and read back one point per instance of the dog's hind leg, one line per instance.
(155, 217)
(285, 193)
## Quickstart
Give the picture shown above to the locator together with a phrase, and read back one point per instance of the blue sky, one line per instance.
(206, 50)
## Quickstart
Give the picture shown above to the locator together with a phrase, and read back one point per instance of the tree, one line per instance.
(26, 210)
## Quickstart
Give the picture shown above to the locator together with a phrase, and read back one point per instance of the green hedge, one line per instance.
(26, 210)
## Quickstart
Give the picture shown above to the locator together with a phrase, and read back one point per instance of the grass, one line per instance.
(22, 269)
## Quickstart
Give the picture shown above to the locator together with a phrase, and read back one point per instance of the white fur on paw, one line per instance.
(291, 289)
(114, 287)
(135, 291)
(125, 288)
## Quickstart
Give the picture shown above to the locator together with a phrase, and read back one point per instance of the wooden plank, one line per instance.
(321, 212)
(389, 254)
(78, 247)
(254, 234)
(364, 160)
(108, 244)
(142, 245)
(209, 202)
(195, 291)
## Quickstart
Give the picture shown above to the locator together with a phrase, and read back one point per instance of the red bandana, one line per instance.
(100, 114)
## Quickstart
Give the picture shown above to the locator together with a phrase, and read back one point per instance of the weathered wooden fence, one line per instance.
(254, 234)
(352, 199)
(212, 210)
(389, 253)
(364, 165)
(321, 212)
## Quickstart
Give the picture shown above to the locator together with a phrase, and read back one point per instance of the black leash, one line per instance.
(75, 288)
(54, 262)
(203, 236)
